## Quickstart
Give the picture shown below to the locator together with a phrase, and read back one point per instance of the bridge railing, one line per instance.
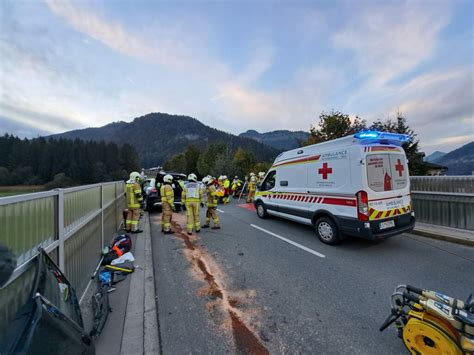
(444, 200)
(72, 225)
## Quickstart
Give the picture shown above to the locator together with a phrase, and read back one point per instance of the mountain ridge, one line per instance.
(278, 139)
(459, 161)
(158, 136)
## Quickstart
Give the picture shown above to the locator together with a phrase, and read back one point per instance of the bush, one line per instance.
(60, 181)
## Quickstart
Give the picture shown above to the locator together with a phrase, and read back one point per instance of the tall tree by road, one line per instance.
(412, 149)
(334, 125)
(337, 124)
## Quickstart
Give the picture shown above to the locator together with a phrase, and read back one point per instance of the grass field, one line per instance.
(19, 190)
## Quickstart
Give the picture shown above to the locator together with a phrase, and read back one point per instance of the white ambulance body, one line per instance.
(356, 185)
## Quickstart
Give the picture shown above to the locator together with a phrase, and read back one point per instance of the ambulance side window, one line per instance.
(269, 182)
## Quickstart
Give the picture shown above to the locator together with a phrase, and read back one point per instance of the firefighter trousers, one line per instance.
(166, 214)
(212, 213)
(133, 215)
(192, 216)
(250, 196)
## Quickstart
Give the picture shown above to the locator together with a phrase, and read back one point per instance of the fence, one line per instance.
(72, 225)
(444, 200)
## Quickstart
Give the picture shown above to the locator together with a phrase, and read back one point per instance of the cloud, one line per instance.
(389, 39)
(261, 61)
(169, 51)
(362, 59)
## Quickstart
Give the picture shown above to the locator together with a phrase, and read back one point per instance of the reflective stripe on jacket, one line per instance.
(167, 195)
(134, 194)
(191, 193)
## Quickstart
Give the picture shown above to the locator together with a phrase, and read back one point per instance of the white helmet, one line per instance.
(252, 178)
(252, 174)
(204, 180)
(224, 177)
(168, 178)
(134, 176)
(192, 177)
(221, 177)
(261, 174)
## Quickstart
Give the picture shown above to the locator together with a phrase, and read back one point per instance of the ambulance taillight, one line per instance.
(362, 206)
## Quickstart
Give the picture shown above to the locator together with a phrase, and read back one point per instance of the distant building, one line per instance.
(435, 169)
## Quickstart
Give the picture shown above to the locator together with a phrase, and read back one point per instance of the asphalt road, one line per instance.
(244, 289)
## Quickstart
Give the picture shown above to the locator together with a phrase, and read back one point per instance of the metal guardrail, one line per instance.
(444, 200)
(72, 225)
(458, 184)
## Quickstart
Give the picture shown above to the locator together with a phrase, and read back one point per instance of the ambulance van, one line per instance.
(357, 185)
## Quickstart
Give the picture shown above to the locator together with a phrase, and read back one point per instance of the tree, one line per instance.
(223, 164)
(4, 176)
(129, 158)
(262, 166)
(243, 161)
(177, 163)
(334, 125)
(191, 156)
(414, 156)
(208, 158)
(39, 160)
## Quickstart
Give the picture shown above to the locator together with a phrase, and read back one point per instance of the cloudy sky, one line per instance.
(236, 65)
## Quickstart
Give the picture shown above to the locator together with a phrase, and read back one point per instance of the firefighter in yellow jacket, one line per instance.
(252, 188)
(192, 198)
(133, 192)
(211, 204)
(167, 204)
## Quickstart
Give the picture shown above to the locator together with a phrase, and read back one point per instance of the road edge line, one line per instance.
(311, 251)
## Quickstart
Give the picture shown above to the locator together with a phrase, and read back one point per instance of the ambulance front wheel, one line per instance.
(327, 231)
(261, 210)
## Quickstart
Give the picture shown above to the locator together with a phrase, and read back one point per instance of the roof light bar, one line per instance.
(383, 136)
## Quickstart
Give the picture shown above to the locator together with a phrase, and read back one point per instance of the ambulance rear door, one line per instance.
(388, 184)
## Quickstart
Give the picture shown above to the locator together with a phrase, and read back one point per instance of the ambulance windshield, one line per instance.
(386, 172)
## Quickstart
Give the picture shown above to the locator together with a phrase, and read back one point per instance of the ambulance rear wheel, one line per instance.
(327, 231)
(261, 210)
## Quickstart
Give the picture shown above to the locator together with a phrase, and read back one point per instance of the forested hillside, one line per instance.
(159, 136)
(63, 162)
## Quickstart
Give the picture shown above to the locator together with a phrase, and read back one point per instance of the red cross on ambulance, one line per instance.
(325, 171)
(399, 167)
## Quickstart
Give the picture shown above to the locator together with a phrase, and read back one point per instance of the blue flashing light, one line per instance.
(376, 135)
(367, 134)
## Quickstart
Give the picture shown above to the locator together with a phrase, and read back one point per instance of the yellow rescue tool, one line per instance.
(432, 323)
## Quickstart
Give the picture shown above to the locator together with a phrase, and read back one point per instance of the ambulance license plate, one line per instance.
(387, 224)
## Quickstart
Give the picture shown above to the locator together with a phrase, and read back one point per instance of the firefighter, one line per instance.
(192, 198)
(226, 185)
(211, 211)
(235, 186)
(167, 204)
(134, 199)
(252, 188)
(261, 176)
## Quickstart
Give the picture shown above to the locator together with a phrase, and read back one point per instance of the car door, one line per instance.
(266, 191)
